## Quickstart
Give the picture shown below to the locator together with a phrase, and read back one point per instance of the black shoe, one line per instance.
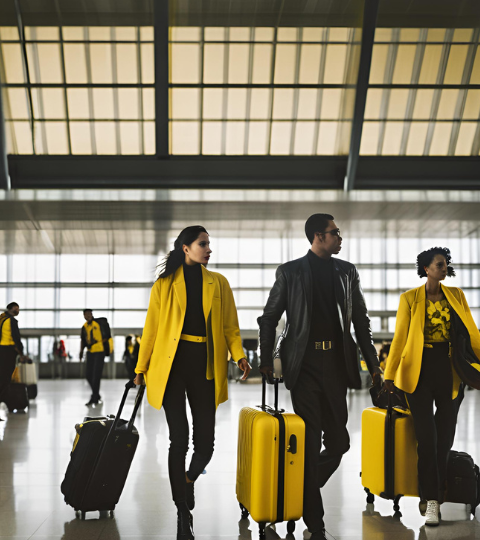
(184, 523)
(321, 535)
(190, 495)
(90, 403)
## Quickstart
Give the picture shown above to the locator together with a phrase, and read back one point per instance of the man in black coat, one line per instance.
(321, 296)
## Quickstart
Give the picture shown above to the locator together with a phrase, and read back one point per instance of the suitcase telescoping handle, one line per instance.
(264, 391)
(138, 401)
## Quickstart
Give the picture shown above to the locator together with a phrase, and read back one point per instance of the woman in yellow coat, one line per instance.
(419, 363)
(190, 327)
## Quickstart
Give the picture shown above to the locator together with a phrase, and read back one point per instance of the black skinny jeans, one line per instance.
(95, 363)
(435, 432)
(188, 377)
(8, 356)
(319, 397)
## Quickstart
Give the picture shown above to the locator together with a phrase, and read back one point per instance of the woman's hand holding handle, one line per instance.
(139, 379)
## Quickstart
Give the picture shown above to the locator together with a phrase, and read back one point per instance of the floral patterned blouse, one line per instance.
(437, 321)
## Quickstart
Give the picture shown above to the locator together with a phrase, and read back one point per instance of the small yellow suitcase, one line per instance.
(389, 455)
(270, 464)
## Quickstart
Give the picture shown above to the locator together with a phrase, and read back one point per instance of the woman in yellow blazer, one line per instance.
(190, 327)
(419, 363)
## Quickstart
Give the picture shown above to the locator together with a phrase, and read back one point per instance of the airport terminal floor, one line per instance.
(35, 448)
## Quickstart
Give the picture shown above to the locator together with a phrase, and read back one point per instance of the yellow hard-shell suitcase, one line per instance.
(270, 464)
(389, 455)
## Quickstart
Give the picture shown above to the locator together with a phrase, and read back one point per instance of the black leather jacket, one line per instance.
(292, 292)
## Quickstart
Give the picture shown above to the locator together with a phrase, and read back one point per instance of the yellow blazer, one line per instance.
(404, 361)
(164, 323)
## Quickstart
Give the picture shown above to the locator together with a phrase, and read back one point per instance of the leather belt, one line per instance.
(323, 345)
(194, 339)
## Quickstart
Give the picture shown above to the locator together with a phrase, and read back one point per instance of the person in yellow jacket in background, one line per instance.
(420, 364)
(191, 325)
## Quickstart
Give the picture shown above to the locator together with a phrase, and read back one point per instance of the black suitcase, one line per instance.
(100, 460)
(17, 397)
(463, 478)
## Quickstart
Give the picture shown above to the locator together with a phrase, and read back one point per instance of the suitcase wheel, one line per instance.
(370, 496)
(244, 511)
(261, 530)
(290, 527)
(396, 506)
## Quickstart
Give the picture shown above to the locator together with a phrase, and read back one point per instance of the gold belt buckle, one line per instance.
(323, 345)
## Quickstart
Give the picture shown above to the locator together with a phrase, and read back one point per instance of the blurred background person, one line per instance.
(129, 357)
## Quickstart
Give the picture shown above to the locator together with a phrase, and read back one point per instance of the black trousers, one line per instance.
(188, 378)
(8, 356)
(95, 363)
(435, 432)
(319, 397)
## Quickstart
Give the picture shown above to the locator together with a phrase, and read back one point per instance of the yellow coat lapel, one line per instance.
(180, 289)
(419, 315)
(208, 290)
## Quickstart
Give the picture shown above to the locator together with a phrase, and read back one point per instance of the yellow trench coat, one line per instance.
(164, 323)
(404, 361)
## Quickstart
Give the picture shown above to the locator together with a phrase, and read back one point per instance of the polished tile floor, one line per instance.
(35, 447)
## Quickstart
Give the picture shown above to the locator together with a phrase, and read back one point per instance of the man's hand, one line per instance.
(268, 372)
(245, 367)
(389, 386)
(377, 378)
(139, 379)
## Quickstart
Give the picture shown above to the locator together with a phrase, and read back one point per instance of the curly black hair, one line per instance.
(426, 257)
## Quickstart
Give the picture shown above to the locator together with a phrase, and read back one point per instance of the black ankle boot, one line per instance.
(184, 523)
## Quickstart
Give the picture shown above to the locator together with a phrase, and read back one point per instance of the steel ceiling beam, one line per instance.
(370, 13)
(161, 31)
(4, 177)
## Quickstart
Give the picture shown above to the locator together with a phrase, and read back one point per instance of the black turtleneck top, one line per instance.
(194, 322)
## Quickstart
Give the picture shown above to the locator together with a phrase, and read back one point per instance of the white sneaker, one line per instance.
(433, 519)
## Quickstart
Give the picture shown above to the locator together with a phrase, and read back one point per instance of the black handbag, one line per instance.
(463, 355)
(382, 399)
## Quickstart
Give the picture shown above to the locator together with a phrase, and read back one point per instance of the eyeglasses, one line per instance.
(335, 232)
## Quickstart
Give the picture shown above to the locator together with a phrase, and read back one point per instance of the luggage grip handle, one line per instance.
(138, 401)
(128, 387)
(264, 391)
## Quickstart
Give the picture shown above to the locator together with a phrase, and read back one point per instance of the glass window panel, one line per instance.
(75, 63)
(128, 101)
(148, 68)
(448, 101)
(18, 104)
(237, 103)
(72, 268)
(465, 139)
(379, 60)
(149, 137)
(402, 73)
(49, 63)
(338, 34)
(212, 138)
(463, 34)
(416, 139)
(125, 33)
(331, 102)
(285, 62)
(410, 34)
(214, 33)
(130, 137)
(283, 103)
(185, 63)
(52, 100)
(98, 267)
(257, 138)
(235, 142)
(264, 34)
(456, 64)
(238, 33)
(327, 138)
(370, 133)
(383, 34)
(42, 33)
(80, 138)
(185, 138)
(310, 64)
(307, 103)
(103, 103)
(185, 103)
(423, 104)
(262, 64)
(475, 77)
(100, 33)
(213, 103)
(287, 34)
(441, 139)
(436, 34)
(143, 269)
(213, 67)
(393, 138)
(472, 105)
(97, 299)
(3, 266)
(73, 33)
(312, 34)
(129, 319)
(127, 69)
(335, 64)
(101, 61)
(281, 134)
(71, 298)
(146, 33)
(131, 298)
(12, 58)
(23, 137)
(185, 33)
(260, 104)
(430, 64)
(238, 64)
(9, 33)
(304, 133)
(57, 137)
(397, 104)
(105, 137)
(148, 103)
(71, 319)
(78, 103)
(44, 298)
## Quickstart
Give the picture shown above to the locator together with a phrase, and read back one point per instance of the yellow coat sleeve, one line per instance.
(402, 326)
(230, 322)
(150, 330)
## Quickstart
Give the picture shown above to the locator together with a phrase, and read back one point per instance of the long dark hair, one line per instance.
(176, 257)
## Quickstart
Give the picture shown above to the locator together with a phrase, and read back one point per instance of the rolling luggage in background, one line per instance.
(463, 480)
(389, 455)
(28, 376)
(16, 398)
(270, 464)
(101, 456)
